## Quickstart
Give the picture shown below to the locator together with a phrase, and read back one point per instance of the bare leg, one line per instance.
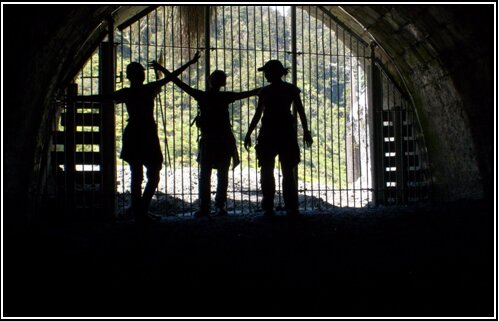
(222, 184)
(267, 182)
(205, 188)
(136, 188)
(289, 188)
(152, 184)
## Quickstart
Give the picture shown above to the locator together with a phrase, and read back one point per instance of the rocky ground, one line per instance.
(177, 193)
(420, 261)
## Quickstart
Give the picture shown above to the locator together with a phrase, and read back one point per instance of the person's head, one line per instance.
(135, 72)
(217, 79)
(274, 70)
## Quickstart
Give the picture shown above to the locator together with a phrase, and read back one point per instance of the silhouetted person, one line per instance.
(217, 144)
(140, 138)
(277, 136)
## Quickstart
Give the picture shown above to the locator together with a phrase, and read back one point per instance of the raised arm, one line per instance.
(170, 75)
(307, 135)
(195, 93)
(254, 122)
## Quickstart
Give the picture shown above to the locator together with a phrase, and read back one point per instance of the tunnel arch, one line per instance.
(428, 49)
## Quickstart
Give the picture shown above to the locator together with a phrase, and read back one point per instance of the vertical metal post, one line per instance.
(70, 148)
(331, 119)
(399, 141)
(294, 72)
(207, 45)
(294, 58)
(181, 131)
(108, 162)
(375, 106)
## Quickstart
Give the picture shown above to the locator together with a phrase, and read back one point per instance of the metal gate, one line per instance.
(368, 148)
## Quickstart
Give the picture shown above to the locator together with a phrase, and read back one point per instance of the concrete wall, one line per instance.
(443, 53)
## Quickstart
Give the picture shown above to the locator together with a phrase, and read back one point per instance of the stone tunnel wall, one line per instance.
(44, 46)
(444, 54)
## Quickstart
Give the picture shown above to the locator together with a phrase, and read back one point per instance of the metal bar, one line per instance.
(165, 143)
(181, 119)
(136, 18)
(158, 97)
(310, 97)
(250, 208)
(302, 50)
(342, 25)
(256, 77)
(108, 129)
(345, 114)
(270, 32)
(122, 122)
(92, 160)
(148, 40)
(350, 113)
(189, 41)
(281, 51)
(294, 72)
(338, 111)
(172, 38)
(69, 150)
(359, 121)
(324, 115)
(285, 27)
(240, 106)
(331, 121)
(317, 86)
(386, 110)
(277, 33)
(387, 74)
(139, 42)
(207, 44)
(232, 86)
(374, 122)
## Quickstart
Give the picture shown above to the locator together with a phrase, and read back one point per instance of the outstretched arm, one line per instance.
(254, 122)
(170, 75)
(195, 93)
(307, 135)
(246, 94)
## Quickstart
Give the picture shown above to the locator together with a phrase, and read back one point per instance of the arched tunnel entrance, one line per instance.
(369, 148)
(430, 253)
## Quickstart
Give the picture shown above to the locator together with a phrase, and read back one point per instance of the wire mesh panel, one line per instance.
(330, 74)
(242, 39)
(332, 66)
(161, 36)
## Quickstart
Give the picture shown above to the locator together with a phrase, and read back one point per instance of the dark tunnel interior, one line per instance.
(430, 258)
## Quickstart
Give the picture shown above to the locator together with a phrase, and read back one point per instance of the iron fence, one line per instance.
(366, 151)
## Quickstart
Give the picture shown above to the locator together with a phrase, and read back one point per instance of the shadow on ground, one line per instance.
(424, 261)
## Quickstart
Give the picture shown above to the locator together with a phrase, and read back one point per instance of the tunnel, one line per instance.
(423, 250)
